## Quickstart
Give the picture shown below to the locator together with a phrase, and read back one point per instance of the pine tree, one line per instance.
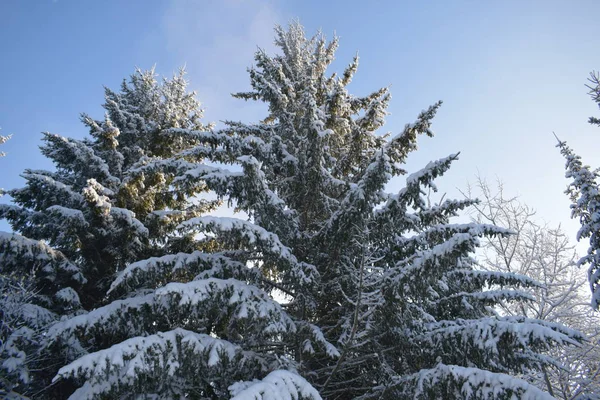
(97, 213)
(37, 285)
(585, 197)
(378, 294)
(397, 292)
(382, 298)
(193, 323)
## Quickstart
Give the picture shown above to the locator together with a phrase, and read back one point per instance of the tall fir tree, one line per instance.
(583, 190)
(95, 213)
(378, 294)
(398, 292)
(381, 297)
(38, 285)
(35, 286)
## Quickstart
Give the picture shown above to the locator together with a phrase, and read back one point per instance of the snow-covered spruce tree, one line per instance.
(546, 255)
(381, 296)
(584, 193)
(196, 322)
(37, 286)
(397, 291)
(95, 213)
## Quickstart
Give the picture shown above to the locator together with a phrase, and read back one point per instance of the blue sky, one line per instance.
(509, 72)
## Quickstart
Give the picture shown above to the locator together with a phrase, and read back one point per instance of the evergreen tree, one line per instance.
(37, 285)
(381, 298)
(378, 294)
(585, 197)
(25, 310)
(193, 322)
(96, 213)
(397, 292)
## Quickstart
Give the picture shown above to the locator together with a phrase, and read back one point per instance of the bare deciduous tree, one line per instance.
(545, 254)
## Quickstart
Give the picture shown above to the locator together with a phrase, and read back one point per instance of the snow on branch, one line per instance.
(412, 193)
(4, 139)
(187, 175)
(52, 189)
(251, 303)
(432, 170)
(452, 381)
(365, 194)
(487, 297)
(430, 258)
(257, 238)
(404, 143)
(182, 303)
(318, 337)
(220, 146)
(17, 251)
(76, 155)
(252, 233)
(486, 333)
(482, 278)
(278, 385)
(134, 363)
(153, 271)
(253, 195)
(70, 214)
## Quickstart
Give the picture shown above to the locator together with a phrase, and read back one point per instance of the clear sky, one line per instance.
(509, 72)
